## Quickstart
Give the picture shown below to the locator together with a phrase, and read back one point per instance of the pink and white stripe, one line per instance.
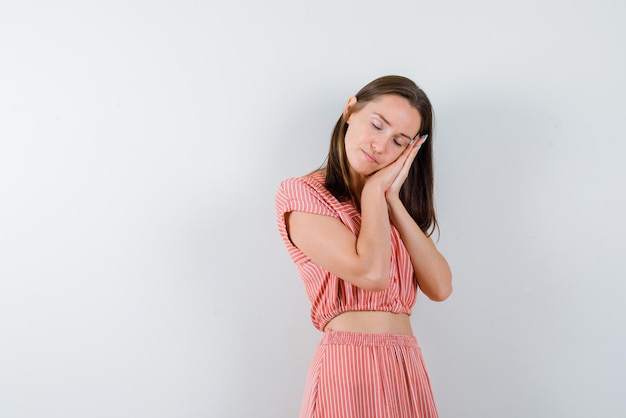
(329, 295)
(355, 375)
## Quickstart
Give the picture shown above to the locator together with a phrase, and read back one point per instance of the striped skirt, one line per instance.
(356, 375)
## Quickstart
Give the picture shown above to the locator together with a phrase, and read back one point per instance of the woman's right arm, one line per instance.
(362, 260)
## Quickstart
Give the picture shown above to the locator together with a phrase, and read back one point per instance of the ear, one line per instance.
(346, 110)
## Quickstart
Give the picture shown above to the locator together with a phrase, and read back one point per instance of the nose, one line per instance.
(378, 146)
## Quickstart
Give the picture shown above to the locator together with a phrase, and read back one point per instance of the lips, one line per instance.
(369, 157)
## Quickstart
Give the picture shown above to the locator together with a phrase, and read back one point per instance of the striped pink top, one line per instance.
(330, 295)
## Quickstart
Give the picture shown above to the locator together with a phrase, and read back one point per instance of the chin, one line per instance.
(364, 173)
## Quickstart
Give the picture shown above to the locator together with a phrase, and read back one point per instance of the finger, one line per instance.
(414, 148)
(403, 169)
(402, 164)
(411, 153)
(418, 142)
(402, 158)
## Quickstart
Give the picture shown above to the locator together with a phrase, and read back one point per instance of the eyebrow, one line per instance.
(387, 122)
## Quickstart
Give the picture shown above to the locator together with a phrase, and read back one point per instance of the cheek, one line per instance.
(393, 156)
(396, 152)
(357, 133)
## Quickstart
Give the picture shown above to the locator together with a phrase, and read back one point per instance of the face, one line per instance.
(379, 132)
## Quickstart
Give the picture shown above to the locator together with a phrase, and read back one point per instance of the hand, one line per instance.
(401, 168)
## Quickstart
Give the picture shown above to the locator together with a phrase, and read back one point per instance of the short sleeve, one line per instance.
(297, 194)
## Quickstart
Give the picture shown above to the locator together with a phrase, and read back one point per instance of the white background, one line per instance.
(142, 143)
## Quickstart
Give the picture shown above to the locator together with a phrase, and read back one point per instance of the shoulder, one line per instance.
(303, 186)
(306, 194)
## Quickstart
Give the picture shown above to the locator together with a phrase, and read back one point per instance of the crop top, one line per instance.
(329, 295)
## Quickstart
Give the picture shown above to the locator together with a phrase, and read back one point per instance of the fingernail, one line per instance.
(411, 141)
(425, 138)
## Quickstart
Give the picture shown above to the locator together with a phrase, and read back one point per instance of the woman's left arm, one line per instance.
(431, 268)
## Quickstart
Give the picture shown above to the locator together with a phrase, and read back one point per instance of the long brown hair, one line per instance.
(417, 192)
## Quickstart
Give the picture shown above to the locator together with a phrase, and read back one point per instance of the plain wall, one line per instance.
(142, 143)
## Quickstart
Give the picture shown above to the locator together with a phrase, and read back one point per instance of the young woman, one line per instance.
(359, 232)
